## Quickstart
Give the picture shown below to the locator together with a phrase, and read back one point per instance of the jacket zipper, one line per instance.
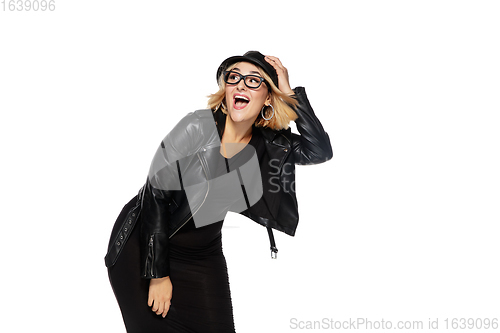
(274, 249)
(152, 254)
(206, 194)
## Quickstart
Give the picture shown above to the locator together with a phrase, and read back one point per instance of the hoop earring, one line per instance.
(221, 106)
(262, 112)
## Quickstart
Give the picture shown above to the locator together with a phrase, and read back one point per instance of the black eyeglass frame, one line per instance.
(243, 77)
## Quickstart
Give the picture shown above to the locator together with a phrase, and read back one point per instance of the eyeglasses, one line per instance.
(251, 81)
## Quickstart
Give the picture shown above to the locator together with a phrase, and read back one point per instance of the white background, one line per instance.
(402, 223)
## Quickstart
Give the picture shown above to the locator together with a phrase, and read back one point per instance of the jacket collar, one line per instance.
(268, 134)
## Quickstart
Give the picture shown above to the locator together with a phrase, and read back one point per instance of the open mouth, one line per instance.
(240, 101)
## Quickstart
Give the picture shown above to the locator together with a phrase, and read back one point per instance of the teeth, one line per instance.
(242, 97)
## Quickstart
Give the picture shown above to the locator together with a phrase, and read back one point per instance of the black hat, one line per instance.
(253, 57)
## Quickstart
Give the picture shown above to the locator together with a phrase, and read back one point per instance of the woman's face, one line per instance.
(243, 103)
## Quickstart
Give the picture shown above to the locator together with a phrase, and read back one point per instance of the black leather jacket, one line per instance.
(163, 212)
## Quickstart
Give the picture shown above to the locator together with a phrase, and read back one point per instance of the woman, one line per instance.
(168, 272)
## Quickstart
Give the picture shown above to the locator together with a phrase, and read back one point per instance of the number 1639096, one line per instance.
(28, 5)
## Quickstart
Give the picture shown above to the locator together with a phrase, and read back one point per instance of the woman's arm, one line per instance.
(313, 145)
(154, 233)
(154, 247)
(163, 178)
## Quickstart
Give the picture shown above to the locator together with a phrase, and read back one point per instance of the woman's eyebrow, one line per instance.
(239, 70)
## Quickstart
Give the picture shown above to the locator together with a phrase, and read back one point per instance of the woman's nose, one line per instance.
(241, 85)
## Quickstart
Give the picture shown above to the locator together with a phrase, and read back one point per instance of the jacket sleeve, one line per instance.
(163, 178)
(154, 233)
(313, 145)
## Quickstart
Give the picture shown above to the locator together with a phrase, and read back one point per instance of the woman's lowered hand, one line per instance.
(160, 294)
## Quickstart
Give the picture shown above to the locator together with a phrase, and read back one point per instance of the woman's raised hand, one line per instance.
(283, 82)
(160, 294)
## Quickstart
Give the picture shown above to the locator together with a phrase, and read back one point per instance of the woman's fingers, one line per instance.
(150, 299)
(160, 294)
(161, 307)
(276, 60)
(155, 306)
(282, 72)
(276, 63)
(165, 309)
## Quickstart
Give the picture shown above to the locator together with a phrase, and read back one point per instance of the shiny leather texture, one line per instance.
(161, 213)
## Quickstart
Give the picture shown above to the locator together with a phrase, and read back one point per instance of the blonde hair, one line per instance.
(283, 104)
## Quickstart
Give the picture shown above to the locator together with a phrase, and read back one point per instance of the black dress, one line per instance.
(201, 299)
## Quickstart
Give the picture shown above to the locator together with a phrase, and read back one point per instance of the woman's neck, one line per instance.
(236, 136)
(237, 132)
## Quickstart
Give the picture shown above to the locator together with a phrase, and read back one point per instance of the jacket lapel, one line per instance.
(277, 148)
